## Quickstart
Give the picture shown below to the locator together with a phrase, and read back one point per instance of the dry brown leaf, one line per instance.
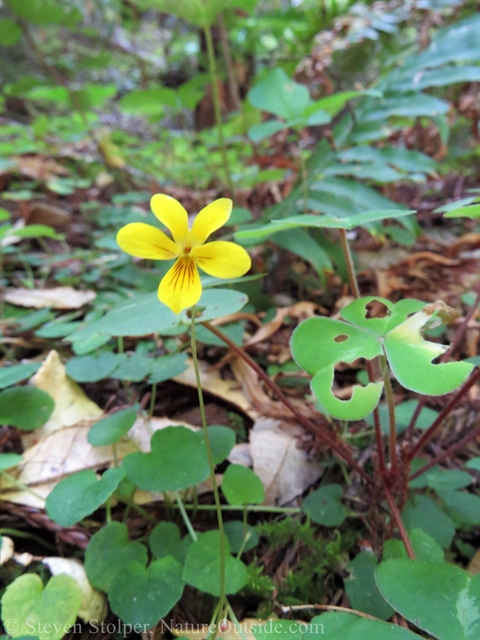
(71, 403)
(474, 564)
(299, 310)
(51, 215)
(283, 468)
(212, 383)
(58, 298)
(37, 167)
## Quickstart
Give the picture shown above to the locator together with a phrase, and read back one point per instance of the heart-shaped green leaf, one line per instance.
(110, 551)
(30, 610)
(424, 547)
(113, 427)
(27, 408)
(347, 626)
(441, 599)
(165, 540)
(79, 495)
(324, 506)
(142, 596)
(202, 566)
(178, 460)
(241, 485)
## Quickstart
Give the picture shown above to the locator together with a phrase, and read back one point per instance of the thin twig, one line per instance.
(443, 414)
(321, 432)
(326, 607)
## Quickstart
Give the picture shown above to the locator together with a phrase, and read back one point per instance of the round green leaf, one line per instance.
(235, 532)
(348, 626)
(422, 513)
(17, 373)
(424, 547)
(241, 485)
(142, 596)
(112, 428)
(9, 460)
(109, 552)
(324, 506)
(202, 566)
(167, 367)
(92, 368)
(165, 540)
(361, 588)
(222, 441)
(30, 610)
(27, 408)
(441, 599)
(178, 460)
(79, 495)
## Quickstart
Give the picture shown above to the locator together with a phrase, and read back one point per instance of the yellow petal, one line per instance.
(144, 241)
(222, 259)
(211, 218)
(172, 214)
(180, 287)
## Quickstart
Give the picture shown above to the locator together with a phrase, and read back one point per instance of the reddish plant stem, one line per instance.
(399, 522)
(456, 340)
(447, 453)
(391, 415)
(443, 414)
(321, 432)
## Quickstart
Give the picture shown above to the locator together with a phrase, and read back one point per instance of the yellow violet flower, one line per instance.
(181, 287)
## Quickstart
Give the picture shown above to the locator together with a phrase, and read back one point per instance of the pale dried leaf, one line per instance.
(301, 310)
(284, 469)
(7, 549)
(58, 298)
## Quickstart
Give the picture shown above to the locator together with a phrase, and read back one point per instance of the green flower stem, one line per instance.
(251, 508)
(212, 468)
(212, 66)
(387, 383)
(352, 279)
(185, 517)
(322, 432)
(245, 532)
(132, 505)
(21, 486)
(235, 621)
(153, 399)
(108, 510)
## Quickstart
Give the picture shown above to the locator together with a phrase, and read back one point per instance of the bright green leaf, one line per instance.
(241, 485)
(17, 373)
(26, 408)
(113, 427)
(280, 95)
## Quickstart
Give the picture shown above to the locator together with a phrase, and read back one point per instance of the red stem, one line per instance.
(321, 432)
(447, 453)
(443, 414)
(399, 522)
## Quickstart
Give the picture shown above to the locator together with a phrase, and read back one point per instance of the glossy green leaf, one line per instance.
(280, 95)
(92, 368)
(142, 596)
(441, 599)
(165, 541)
(80, 494)
(236, 532)
(113, 427)
(222, 441)
(424, 547)
(421, 512)
(9, 460)
(46, 612)
(324, 506)
(17, 373)
(361, 588)
(110, 552)
(241, 485)
(205, 552)
(26, 408)
(178, 460)
(472, 211)
(348, 626)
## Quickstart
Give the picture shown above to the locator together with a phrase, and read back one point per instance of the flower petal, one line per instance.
(211, 218)
(144, 241)
(172, 214)
(180, 287)
(222, 259)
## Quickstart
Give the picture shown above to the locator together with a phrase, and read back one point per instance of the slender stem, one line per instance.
(20, 485)
(391, 414)
(212, 467)
(153, 399)
(212, 66)
(321, 432)
(133, 505)
(108, 510)
(245, 532)
(352, 276)
(325, 607)
(25, 534)
(447, 453)
(185, 517)
(237, 624)
(120, 344)
(232, 79)
(399, 522)
(443, 414)
(250, 508)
